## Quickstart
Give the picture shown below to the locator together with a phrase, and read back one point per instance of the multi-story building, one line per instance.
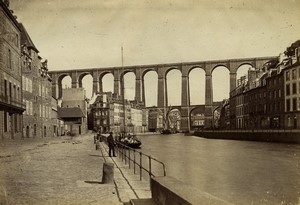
(257, 105)
(57, 123)
(138, 120)
(156, 119)
(237, 103)
(36, 90)
(247, 102)
(291, 75)
(11, 104)
(275, 98)
(108, 114)
(74, 110)
(100, 113)
(271, 97)
(225, 115)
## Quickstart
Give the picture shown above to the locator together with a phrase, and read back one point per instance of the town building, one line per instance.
(100, 112)
(107, 112)
(11, 104)
(73, 110)
(37, 92)
(270, 97)
(155, 119)
(275, 97)
(58, 123)
(291, 75)
(225, 115)
(247, 102)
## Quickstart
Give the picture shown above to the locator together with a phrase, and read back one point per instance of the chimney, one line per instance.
(6, 2)
(297, 54)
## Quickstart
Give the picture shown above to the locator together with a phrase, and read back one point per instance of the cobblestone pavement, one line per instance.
(62, 171)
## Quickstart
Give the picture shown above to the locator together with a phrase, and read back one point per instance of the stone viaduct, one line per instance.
(162, 70)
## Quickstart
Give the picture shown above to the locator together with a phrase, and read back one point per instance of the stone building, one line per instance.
(56, 122)
(11, 105)
(291, 75)
(100, 113)
(275, 98)
(36, 90)
(247, 102)
(74, 120)
(270, 99)
(108, 114)
(155, 119)
(74, 98)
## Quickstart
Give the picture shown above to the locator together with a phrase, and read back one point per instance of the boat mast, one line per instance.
(123, 89)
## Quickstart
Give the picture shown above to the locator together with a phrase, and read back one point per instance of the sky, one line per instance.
(87, 34)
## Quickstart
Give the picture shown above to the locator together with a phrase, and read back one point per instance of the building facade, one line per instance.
(270, 98)
(108, 114)
(11, 104)
(37, 92)
(292, 93)
(74, 98)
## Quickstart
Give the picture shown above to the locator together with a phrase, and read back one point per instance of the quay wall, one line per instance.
(291, 136)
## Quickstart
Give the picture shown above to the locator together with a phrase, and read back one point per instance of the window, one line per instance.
(294, 104)
(9, 59)
(5, 121)
(294, 74)
(279, 93)
(287, 89)
(294, 88)
(274, 93)
(5, 87)
(287, 76)
(10, 90)
(15, 92)
(288, 105)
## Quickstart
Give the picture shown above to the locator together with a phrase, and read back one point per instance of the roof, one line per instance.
(10, 14)
(70, 112)
(26, 40)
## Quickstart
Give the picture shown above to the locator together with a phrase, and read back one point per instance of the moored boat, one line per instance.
(130, 140)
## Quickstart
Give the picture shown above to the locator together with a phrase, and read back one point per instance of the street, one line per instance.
(54, 171)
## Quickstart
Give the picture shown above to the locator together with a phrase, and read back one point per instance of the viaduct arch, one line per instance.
(161, 69)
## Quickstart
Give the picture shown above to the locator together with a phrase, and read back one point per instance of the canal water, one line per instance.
(240, 172)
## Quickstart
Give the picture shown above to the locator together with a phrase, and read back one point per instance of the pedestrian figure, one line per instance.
(111, 144)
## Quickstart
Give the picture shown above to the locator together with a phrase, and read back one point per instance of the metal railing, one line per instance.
(136, 158)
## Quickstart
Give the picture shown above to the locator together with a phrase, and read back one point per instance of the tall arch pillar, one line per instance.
(143, 92)
(116, 82)
(138, 85)
(55, 86)
(232, 81)
(59, 90)
(208, 100)
(74, 78)
(161, 91)
(185, 101)
(96, 85)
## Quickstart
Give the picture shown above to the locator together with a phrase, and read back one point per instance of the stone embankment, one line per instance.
(284, 136)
